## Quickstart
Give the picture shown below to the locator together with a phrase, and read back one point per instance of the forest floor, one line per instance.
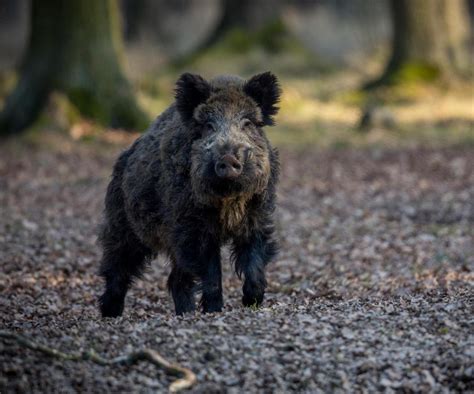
(373, 289)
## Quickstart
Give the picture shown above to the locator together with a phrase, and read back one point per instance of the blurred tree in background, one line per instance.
(323, 50)
(429, 41)
(244, 15)
(75, 47)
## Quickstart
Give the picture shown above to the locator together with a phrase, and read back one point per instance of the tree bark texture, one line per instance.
(429, 36)
(75, 47)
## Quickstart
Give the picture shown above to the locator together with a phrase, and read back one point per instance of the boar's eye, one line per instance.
(246, 123)
(208, 127)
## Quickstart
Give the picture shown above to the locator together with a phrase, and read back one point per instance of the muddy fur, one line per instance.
(166, 194)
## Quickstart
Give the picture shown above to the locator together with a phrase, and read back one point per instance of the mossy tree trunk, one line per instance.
(245, 15)
(429, 41)
(75, 47)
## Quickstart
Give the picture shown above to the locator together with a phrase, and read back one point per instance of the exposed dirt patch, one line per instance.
(373, 288)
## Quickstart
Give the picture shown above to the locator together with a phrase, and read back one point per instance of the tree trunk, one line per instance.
(75, 47)
(234, 15)
(133, 12)
(429, 40)
(246, 15)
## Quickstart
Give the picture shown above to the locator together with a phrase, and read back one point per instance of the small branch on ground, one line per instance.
(186, 378)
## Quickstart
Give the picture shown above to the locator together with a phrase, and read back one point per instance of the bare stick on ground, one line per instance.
(186, 378)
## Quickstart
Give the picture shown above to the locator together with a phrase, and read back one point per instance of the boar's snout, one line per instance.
(228, 167)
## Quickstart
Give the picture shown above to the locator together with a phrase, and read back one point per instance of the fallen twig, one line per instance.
(186, 378)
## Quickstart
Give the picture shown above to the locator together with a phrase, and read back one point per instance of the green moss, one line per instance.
(8, 81)
(352, 97)
(237, 40)
(64, 108)
(111, 111)
(416, 72)
(58, 116)
(443, 330)
(88, 104)
(274, 37)
(406, 74)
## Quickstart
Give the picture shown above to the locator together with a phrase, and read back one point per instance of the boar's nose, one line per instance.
(228, 167)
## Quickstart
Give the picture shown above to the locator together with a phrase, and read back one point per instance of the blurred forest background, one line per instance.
(353, 72)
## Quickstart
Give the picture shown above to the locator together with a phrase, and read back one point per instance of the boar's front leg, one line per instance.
(211, 282)
(251, 256)
(181, 287)
(196, 259)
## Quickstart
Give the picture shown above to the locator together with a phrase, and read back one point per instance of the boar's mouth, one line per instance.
(226, 188)
(213, 192)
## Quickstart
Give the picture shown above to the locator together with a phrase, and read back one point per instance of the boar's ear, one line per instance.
(191, 90)
(265, 90)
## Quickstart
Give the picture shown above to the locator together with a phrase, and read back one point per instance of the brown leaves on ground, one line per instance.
(373, 288)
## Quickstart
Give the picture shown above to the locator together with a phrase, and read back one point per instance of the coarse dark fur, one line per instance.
(203, 175)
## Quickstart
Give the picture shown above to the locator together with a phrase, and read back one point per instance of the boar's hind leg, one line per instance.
(120, 265)
(251, 256)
